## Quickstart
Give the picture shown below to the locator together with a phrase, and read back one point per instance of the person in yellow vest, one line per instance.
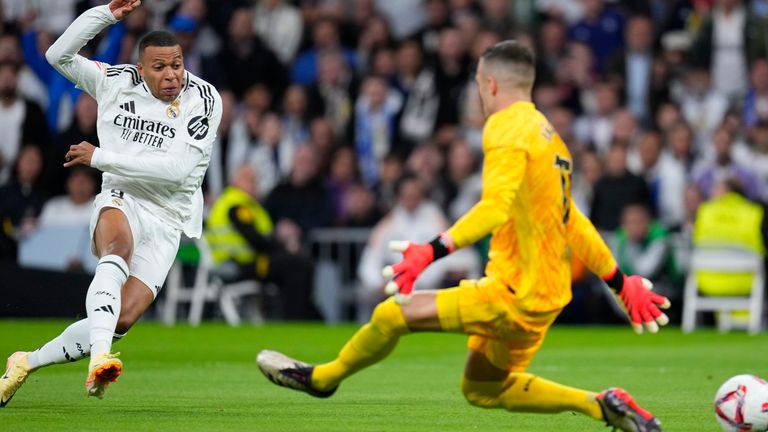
(243, 239)
(729, 219)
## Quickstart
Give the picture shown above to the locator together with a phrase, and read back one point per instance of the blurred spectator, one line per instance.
(601, 28)
(62, 93)
(437, 14)
(325, 38)
(185, 29)
(280, 26)
(30, 86)
(596, 128)
(416, 219)
(73, 209)
(758, 137)
(497, 16)
(83, 128)
(417, 83)
(703, 107)
(332, 95)
(405, 16)
(679, 140)
(272, 154)
(21, 121)
(451, 75)
(426, 162)
(295, 126)
(589, 172)
(207, 40)
(633, 66)
(375, 35)
(729, 40)
(323, 141)
(301, 202)
(722, 165)
(392, 168)
(21, 200)
(616, 188)
(375, 126)
(551, 50)
(665, 178)
(244, 60)
(360, 209)
(642, 247)
(245, 245)
(462, 181)
(342, 177)
(756, 101)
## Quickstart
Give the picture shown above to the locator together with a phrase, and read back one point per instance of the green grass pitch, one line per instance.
(204, 379)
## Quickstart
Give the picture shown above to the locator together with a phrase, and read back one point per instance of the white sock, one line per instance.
(71, 345)
(103, 302)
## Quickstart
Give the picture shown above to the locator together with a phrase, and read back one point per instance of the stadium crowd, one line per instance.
(334, 102)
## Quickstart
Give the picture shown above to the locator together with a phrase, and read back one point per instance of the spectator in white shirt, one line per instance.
(73, 209)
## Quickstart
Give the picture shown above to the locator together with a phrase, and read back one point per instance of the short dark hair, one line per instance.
(157, 38)
(513, 54)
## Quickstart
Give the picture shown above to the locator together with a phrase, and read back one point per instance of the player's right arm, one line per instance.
(642, 305)
(62, 55)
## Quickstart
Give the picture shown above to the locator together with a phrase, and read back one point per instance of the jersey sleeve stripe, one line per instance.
(205, 94)
(114, 71)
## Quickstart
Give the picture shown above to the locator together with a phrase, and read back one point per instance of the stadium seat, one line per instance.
(724, 260)
(209, 286)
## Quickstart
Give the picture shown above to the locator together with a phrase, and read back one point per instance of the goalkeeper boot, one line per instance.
(287, 372)
(623, 413)
(102, 370)
(16, 372)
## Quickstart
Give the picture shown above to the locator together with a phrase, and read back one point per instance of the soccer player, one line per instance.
(156, 127)
(526, 204)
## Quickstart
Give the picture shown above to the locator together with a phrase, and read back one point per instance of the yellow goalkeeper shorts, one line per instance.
(485, 310)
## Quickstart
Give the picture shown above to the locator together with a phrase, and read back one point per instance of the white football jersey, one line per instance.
(154, 150)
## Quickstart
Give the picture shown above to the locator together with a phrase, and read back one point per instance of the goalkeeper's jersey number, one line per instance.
(564, 166)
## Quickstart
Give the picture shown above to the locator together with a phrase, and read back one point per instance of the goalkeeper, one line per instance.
(526, 204)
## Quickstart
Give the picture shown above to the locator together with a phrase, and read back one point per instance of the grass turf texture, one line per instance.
(204, 379)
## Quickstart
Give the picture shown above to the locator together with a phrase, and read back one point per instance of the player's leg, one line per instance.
(113, 242)
(372, 342)
(487, 384)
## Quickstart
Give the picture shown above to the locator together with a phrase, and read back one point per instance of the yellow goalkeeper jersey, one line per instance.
(526, 204)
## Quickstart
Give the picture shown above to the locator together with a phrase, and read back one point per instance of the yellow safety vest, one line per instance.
(728, 221)
(225, 241)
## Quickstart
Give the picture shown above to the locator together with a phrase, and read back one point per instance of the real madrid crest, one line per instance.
(173, 109)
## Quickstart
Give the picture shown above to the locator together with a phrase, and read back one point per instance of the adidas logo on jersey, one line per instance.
(129, 106)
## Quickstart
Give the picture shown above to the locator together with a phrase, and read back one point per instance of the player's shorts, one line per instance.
(155, 243)
(485, 309)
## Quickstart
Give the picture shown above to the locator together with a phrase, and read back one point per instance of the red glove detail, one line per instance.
(416, 257)
(642, 304)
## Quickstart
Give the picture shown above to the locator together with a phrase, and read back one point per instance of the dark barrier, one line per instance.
(28, 292)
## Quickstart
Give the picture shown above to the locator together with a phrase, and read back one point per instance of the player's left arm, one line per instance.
(504, 168)
(172, 168)
(642, 305)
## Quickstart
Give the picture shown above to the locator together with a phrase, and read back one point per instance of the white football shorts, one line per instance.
(155, 243)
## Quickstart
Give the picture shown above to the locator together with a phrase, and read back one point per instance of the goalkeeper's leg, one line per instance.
(487, 386)
(426, 311)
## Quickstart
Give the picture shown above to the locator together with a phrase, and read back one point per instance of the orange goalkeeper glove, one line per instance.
(642, 305)
(416, 257)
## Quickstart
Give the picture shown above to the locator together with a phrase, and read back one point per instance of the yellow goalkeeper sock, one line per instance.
(529, 393)
(370, 344)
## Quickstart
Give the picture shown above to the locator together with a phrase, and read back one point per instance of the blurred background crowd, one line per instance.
(364, 115)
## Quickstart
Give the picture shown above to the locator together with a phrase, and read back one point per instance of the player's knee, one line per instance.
(388, 318)
(119, 248)
(482, 394)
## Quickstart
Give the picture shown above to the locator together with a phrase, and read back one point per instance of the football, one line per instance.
(741, 404)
